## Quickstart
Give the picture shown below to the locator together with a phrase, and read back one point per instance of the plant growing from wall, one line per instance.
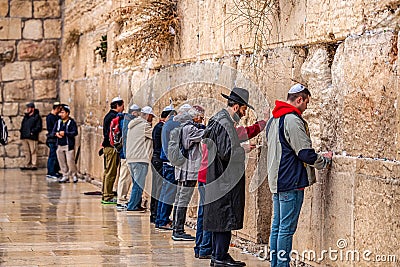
(102, 48)
(259, 16)
(153, 24)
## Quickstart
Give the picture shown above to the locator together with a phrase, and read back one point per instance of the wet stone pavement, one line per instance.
(45, 223)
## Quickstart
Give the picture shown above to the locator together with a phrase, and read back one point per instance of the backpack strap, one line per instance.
(268, 126)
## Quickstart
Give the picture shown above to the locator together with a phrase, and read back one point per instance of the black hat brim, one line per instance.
(237, 100)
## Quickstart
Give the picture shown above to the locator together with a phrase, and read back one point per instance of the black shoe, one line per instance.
(33, 168)
(182, 237)
(196, 256)
(204, 257)
(229, 261)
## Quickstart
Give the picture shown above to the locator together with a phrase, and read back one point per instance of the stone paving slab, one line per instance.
(44, 223)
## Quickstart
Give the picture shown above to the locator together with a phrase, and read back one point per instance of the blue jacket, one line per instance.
(123, 124)
(71, 130)
(169, 125)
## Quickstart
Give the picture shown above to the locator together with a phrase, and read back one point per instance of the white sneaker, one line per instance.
(75, 179)
(65, 179)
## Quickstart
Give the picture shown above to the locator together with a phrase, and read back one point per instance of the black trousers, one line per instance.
(220, 244)
(156, 185)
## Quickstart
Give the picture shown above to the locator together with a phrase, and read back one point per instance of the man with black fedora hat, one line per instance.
(225, 186)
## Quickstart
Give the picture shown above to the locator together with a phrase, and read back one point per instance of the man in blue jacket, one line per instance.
(291, 161)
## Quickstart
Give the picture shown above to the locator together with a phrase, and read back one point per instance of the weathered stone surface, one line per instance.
(34, 50)
(21, 8)
(52, 28)
(3, 8)
(363, 81)
(91, 138)
(7, 51)
(10, 109)
(45, 69)
(18, 90)
(15, 71)
(13, 123)
(12, 150)
(33, 29)
(46, 9)
(10, 28)
(13, 162)
(45, 89)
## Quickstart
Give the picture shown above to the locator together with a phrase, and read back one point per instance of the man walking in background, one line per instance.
(31, 126)
(139, 148)
(291, 161)
(52, 162)
(111, 157)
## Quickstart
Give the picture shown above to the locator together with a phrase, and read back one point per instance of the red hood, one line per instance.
(282, 108)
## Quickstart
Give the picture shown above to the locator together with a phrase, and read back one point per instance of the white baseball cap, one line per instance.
(134, 107)
(168, 108)
(116, 99)
(184, 107)
(148, 110)
(296, 88)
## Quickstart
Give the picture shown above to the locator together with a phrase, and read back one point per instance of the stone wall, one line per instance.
(347, 52)
(30, 35)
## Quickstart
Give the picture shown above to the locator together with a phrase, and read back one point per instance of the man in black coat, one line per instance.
(52, 163)
(225, 187)
(31, 126)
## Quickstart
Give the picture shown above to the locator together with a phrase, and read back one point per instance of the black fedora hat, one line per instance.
(240, 96)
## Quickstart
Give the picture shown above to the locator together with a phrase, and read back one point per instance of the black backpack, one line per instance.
(3, 132)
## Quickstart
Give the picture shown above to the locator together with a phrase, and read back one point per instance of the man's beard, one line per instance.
(237, 116)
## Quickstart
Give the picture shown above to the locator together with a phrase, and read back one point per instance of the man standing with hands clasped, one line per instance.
(291, 161)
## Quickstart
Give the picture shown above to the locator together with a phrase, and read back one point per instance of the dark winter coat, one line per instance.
(70, 131)
(106, 127)
(31, 126)
(225, 189)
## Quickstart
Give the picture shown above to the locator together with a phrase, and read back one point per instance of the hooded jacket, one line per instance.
(291, 158)
(190, 140)
(70, 131)
(31, 126)
(139, 144)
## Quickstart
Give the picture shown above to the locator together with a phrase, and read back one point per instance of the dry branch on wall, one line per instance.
(154, 25)
(258, 16)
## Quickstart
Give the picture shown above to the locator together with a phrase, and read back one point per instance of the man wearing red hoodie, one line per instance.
(291, 161)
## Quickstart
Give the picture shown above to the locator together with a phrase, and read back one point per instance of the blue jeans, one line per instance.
(287, 206)
(138, 172)
(167, 195)
(203, 238)
(52, 162)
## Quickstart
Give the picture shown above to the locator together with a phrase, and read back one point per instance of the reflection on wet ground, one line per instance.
(43, 222)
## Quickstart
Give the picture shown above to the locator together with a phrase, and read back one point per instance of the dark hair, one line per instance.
(303, 94)
(56, 106)
(231, 103)
(66, 109)
(165, 114)
(115, 104)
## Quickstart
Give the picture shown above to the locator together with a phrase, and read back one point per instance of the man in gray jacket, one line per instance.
(291, 161)
(186, 174)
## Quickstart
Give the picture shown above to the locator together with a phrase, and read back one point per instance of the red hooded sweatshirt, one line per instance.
(282, 108)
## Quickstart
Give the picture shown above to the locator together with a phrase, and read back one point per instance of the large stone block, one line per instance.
(45, 69)
(13, 123)
(18, 90)
(7, 51)
(364, 88)
(10, 28)
(45, 89)
(10, 109)
(10, 163)
(21, 8)
(46, 9)
(33, 29)
(15, 71)
(12, 150)
(52, 28)
(34, 50)
(3, 8)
